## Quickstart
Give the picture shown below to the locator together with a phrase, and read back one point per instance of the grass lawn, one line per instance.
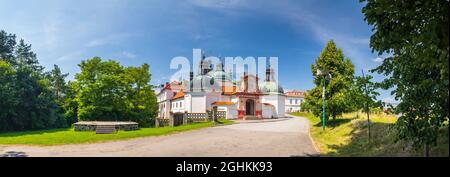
(69, 136)
(348, 136)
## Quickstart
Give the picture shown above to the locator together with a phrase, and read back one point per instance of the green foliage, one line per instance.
(63, 94)
(349, 139)
(337, 88)
(415, 37)
(107, 91)
(28, 101)
(364, 94)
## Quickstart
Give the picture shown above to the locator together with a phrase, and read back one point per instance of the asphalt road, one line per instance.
(279, 138)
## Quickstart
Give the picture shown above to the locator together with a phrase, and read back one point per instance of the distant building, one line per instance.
(294, 100)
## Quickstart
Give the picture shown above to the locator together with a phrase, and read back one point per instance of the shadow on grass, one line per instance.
(382, 143)
(381, 139)
(334, 123)
(33, 132)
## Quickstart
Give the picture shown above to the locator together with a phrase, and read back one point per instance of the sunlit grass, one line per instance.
(69, 136)
(348, 136)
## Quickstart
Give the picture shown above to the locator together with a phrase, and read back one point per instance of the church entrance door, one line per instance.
(250, 107)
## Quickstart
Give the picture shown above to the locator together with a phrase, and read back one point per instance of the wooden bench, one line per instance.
(105, 129)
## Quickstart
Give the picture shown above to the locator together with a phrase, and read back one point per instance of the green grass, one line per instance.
(348, 136)
(69, 136)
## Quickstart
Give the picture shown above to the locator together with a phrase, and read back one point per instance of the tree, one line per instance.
(58, 82)
(7, 45)
(105, 90)
(100, 90)
(7, 93)
(29, 100)
(63, 94)
(342, 70)
(141, 97)
(364, 95)
(415, 36)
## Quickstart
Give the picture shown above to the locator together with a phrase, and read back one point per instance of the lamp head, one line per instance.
(322, 72)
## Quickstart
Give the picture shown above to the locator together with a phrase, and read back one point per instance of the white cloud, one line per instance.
(355, 46)
(128, 54)
(95, 43)
(71, 56)
(378, 60)
(110, 39)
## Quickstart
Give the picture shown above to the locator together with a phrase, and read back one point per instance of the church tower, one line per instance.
(270, 75)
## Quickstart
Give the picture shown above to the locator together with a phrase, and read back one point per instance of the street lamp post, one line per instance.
(326, 76)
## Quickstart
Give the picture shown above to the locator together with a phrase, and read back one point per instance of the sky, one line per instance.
(134, 32)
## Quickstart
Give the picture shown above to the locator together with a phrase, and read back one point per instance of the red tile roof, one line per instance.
(223, 103)
(295, 93)
(178, 95)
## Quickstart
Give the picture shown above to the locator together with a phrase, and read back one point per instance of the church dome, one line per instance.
(220, 76)
(271, 87)
(205, 83)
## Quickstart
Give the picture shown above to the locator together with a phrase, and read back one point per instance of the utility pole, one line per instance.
(323, 104)
(326, 76)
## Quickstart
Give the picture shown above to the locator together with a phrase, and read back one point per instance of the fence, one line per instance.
(196, 117)
(162, 122)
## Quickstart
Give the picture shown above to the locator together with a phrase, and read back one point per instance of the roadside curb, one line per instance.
(309, 134)
(312, 140)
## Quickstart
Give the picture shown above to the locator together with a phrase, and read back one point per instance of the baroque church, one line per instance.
(215, 89)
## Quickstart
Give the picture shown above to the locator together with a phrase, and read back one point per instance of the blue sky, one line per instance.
(138, 31)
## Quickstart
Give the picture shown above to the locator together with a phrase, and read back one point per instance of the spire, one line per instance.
(270, 74)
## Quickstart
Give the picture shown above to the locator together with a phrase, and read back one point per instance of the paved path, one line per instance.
(288, 137)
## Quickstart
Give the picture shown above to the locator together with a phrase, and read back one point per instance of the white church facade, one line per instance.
(214, 90)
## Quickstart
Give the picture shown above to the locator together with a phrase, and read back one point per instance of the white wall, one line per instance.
(278, 101)
(281, 105)
(268, 111)
(198, 104)
(230, 109)
(232, 112)
(164, 103)
(293, 104)
(178, 105)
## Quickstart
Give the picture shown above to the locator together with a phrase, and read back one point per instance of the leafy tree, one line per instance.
(7, 93)
(100, 90)
(415, 37)
(64, 96)
(70, 104)
(141, 97)
(58, 82)
(7, 45)
(30, 102)
(342, 70)
(105, 90)
(364, 95)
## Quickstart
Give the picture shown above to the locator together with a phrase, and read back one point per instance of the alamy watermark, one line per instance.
(209, 73)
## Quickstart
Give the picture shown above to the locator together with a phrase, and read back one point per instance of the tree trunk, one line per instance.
(427, 150)
(334, 119)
